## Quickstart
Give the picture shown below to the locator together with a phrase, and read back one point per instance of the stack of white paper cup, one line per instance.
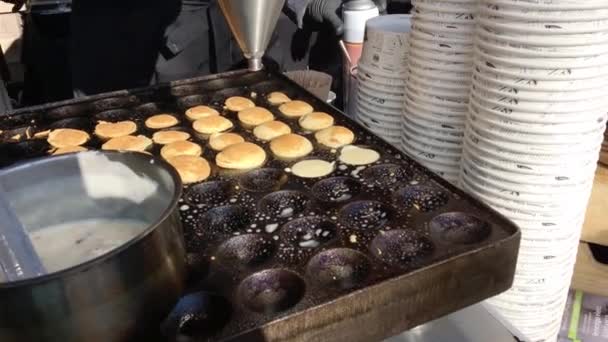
(438, 80)
(381, 79)
(535, 126)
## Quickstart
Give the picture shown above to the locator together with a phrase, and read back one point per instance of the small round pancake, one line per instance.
(291, 146)
(191, 169)
(242, 156)
(168, 137)
(295, 109)
(335, 136)
(69, 149)
(180, 148)
(271, 130)
(255, 116)
(276, 98)
(200, 112)
(108, 130)
(138, 143)
(67, 137)
(316, 121)
(220, 141)
(212, 124)
(238, 103)
(161, 121)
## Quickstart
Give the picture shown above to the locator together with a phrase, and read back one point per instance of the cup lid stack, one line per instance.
(381, 75)
(438, 78)
(535, 126)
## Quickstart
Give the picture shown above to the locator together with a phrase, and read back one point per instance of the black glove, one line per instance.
(329, 11)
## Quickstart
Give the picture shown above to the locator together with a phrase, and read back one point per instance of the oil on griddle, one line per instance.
(267, 249)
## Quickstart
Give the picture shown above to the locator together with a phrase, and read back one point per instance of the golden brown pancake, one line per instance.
(161, 121)
(276, 98)
(212, 124)
(255, 116)
(335, 136)
(242, 156)
(167, 137)
(295, 109)
(271, 130)
(67, 137)
(69, 149)
(191, 169)
(108, 130)
(291, 146)
(220, 141)
(138, 143)
(181, 148)
(200, 112)
(238, 103)
(316, 121)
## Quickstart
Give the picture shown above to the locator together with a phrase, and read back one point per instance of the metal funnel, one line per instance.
(252, 23)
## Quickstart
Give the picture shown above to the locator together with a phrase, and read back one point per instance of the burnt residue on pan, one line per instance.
(265, 246)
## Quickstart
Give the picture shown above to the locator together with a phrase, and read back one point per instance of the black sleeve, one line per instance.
(295, 10)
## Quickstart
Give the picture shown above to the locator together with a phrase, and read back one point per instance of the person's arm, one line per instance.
(322, 12)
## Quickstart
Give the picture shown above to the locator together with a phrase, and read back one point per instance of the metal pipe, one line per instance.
(255, 64)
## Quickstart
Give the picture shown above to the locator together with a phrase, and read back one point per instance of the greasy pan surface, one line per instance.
(360, 254)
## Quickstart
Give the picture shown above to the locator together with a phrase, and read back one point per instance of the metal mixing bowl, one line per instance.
(120, 295)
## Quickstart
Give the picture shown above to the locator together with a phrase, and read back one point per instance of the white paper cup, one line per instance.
(514, 138)
(385, 46)
(456, 94)
(509, 11)
(518, 48)
(454, 129)
(452, 67)
(421, 96)
(529, 92)
(450, 86)
(593, 114)
(436, 113)
(439, 147)
(431, 132)
(429, 71)
(396, 79)
(419, 40)
(500, 151)
(438, 39)
(552, 5)
(542, 28)
(446, 6)
(442, 56)
(573, 67)
(529, 83)
(392, 91)
(381, 130)
(378, 108)
(506, 123)
(422, 152)
(379, 96)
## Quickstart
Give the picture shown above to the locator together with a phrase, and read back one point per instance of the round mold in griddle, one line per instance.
(13, 152)
(148, 109)
(365, 215)
(114, 103)
(187, 102)
(385, 176)
(460, 228)
(198, 265)
(186, 90)
(263, 180)
(221, 221)
(84, 124)
(246, 250)
(336, 189)
(209, 193)
(114, 115)
(401, 248)
(196, 314)
(341, 268)
(69, 111)
(422, 197)
(284, 203)
(308, 232)
(271, 291)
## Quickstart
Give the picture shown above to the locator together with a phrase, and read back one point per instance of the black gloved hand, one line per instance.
(327, 12)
